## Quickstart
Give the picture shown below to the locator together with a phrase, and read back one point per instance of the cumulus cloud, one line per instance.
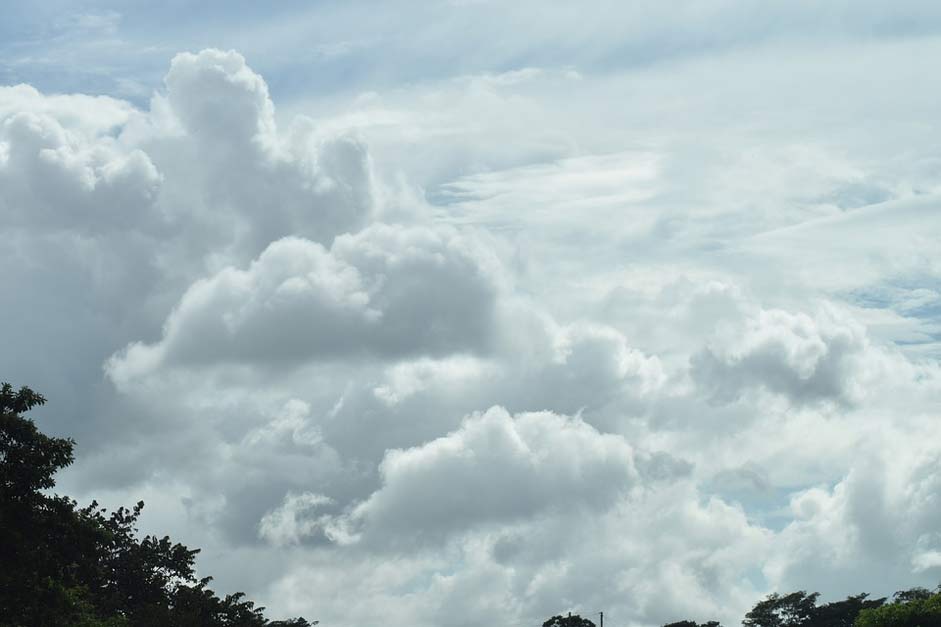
(661, 555)
(217, 113)
(286, 524)
(588, 370)
(301, 335)
(204, 172)
(571, 368)
(495, 468)
(219, 100)
(211, 137)
(805, 359)
(882, 515)
(386, 291)
(56, 178)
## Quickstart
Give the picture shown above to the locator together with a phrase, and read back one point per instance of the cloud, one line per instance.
(132, 208)
(219, 128)
(535, 365)
(805, 359)
(882, 515)
(286, 525)
(386, 291)
(44, 167)
(675, 554)
(691, 313)
(220, 101)
(497, 468)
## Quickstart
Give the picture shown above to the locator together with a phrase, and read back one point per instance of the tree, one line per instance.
(800, 609)
(65, 565)
(912, 594)
(692, 623)
(910, 608)
(568, 621)
(843, 613)
(28, 459)
(791, 610)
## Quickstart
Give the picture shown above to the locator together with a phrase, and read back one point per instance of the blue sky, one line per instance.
(119, 47)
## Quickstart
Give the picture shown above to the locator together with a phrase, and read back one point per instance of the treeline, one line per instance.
(61, 564)
(917, 607)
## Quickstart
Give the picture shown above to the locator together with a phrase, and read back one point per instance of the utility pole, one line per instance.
(601, 622)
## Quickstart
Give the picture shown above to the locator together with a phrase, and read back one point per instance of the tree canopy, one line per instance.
(909, 608)
(568, 621)
(61, 564)
(917, 607)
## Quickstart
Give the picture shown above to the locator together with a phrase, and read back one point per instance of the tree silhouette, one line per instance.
(844, 613)
(800, 609)
(791, 610)
(568, 621)
(913, 594)
(65, 565)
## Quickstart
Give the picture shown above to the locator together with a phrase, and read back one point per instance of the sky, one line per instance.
(447, 314)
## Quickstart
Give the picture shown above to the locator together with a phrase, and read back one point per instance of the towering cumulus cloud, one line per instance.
(278, 185)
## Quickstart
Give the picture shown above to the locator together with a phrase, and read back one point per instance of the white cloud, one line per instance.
(495, 467)
(691, 283)
(805, 359)
(286, 525)
(222, 119)
(45, 167)
(386, 291)
(881, 516)
(657, 557)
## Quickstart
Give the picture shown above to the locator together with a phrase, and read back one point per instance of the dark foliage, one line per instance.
(800, 609)
(791, 610)
(909, 608)
(61, 564)
(914, 594)
(568, 621)
(844, 613)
